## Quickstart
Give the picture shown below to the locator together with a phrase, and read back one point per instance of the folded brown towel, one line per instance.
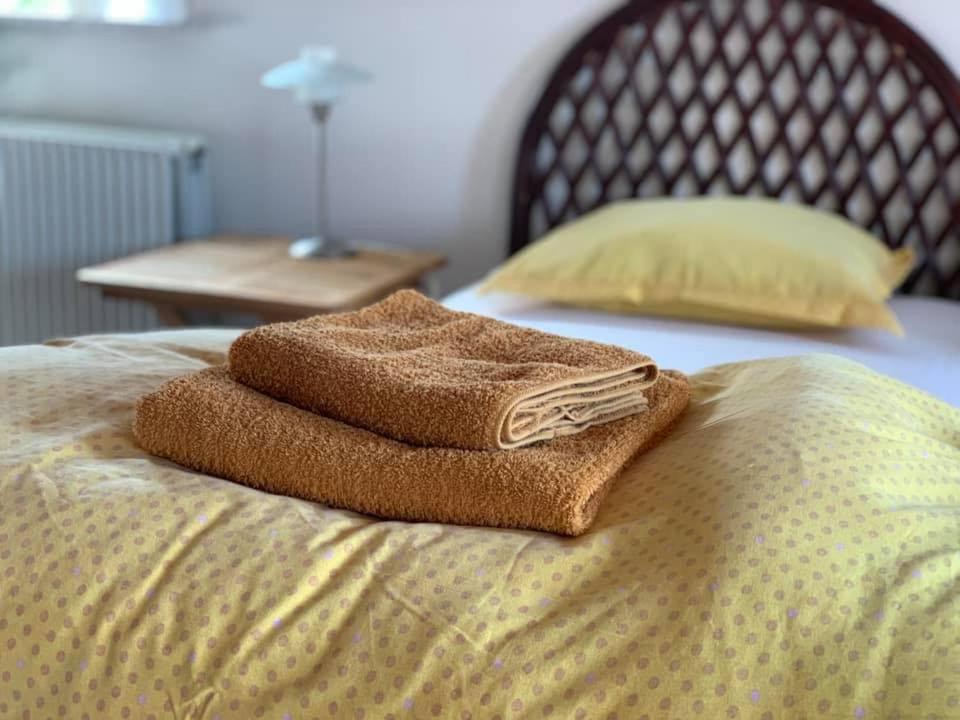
(210, 423)
(410, 369)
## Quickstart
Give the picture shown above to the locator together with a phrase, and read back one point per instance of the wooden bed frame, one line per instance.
(833, 103)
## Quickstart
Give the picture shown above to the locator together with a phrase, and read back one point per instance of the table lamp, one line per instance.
(319, 79)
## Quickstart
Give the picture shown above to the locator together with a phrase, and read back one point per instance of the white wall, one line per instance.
(422, 157)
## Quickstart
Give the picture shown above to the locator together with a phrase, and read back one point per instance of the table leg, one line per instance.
(171, 315)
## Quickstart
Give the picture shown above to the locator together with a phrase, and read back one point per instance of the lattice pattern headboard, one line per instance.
(833, 103)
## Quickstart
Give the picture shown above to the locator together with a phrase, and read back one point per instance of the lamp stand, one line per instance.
(322, 244)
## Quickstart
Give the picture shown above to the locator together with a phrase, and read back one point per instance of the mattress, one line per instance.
(751, 565)
(928, 357)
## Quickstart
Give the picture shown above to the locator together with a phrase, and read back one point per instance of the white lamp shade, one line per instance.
(316, 77)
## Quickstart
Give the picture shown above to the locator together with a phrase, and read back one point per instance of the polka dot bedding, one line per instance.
(792, 550)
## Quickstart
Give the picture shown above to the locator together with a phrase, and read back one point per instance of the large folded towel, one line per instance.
(410, 369)
(208, 422)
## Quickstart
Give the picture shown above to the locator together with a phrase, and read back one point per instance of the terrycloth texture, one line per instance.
(789, 550)
(412, 370)
(208, 422)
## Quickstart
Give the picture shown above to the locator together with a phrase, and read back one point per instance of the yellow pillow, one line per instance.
(736, 260)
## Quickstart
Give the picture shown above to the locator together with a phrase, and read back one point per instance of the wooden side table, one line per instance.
(256, 275)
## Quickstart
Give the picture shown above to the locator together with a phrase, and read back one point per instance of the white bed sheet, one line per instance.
(928, 357)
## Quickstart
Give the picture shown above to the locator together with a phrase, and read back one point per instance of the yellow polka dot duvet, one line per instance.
(792, 550)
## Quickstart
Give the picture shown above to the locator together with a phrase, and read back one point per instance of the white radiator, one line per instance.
(72, 196)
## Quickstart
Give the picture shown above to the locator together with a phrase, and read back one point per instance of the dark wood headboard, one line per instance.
(832, 103)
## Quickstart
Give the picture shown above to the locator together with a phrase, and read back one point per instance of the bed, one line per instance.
(838, 106)
(928, 357)
(768, 559)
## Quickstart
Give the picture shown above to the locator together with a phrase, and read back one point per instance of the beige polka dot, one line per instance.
(775, 557)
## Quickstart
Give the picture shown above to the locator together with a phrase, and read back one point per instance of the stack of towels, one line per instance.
(408, 410)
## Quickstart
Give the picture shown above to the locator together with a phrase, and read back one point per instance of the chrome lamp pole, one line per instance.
(319, 79)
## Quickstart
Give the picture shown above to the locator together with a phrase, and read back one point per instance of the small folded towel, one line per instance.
(412, 370)
(208, 422)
